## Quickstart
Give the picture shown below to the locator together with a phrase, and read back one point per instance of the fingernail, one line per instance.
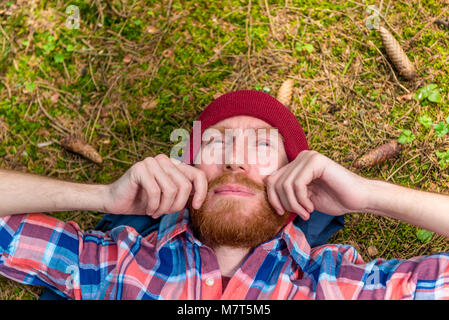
(197, 204)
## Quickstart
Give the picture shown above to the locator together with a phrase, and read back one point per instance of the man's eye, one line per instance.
(216, 141)
(263, 143)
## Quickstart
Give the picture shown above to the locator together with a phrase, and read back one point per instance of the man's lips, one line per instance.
(233, 189)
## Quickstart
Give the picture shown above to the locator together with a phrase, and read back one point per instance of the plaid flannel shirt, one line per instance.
(172, 264)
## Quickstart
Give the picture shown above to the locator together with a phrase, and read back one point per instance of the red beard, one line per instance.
(243, 222)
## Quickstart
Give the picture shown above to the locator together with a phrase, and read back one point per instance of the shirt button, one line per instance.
(210, 282)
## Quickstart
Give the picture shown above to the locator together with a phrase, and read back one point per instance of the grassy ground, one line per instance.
(135, 70)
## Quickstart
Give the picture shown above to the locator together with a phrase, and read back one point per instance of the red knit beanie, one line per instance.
(256, 104)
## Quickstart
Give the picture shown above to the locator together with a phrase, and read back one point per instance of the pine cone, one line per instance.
(397, 55)
(285, 92)
(378, 155)
(79, 146)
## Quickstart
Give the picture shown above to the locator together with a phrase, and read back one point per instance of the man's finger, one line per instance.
(167, 186)
(273, 197)
(153, 193)
(292, 200)
(302, 181)
(302, 194)
(199, 180)
(179, 178)
(152, 190)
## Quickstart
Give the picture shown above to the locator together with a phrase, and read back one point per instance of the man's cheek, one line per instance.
(266, 171)
(267, 167)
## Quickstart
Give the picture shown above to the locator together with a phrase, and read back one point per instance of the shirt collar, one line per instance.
(174, 224)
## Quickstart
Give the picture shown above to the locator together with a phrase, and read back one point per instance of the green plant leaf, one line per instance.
(304, 47)
(309, 48)
(427, 91)
(435, 96)
(425, 120)
(406, 137)
(29, 86)
(424, 235)
(419, 95)
(441, 128)
(59, 58)
(444, 158)
(443, 155)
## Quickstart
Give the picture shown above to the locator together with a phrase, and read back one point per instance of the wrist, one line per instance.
(81, 196)
(376, 193)
(104, 197)
(394, 201)
(89, 197)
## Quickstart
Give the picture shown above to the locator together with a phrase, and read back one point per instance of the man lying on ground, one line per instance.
(227, 228)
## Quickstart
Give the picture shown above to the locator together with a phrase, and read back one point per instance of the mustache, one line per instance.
(239, 178)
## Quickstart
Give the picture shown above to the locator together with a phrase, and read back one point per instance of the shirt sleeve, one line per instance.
(37, 249)
(423, 277)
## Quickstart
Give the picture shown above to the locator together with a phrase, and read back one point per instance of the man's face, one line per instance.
(236, 211)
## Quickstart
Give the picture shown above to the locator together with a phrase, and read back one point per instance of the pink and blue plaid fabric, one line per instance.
(172, 264)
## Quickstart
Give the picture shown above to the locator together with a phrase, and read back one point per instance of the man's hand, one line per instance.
(314, 182)
(156, 186)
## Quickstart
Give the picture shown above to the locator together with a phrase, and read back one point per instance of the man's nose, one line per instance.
(236, 167)
(238, 160)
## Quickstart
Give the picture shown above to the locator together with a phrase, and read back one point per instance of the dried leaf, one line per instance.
(152, 29)
(104, 113)
(167, 53)
(378, 155)
(372, 251)
(127, 59)
(285, 92)
(397, 55)
(148, 105)
(79, 146)
(55, 97)
(408, 96)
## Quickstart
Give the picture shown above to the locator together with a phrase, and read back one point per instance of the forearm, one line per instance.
(25, 193)
(424, 209)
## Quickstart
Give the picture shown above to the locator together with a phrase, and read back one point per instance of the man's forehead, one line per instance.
(222, 128)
